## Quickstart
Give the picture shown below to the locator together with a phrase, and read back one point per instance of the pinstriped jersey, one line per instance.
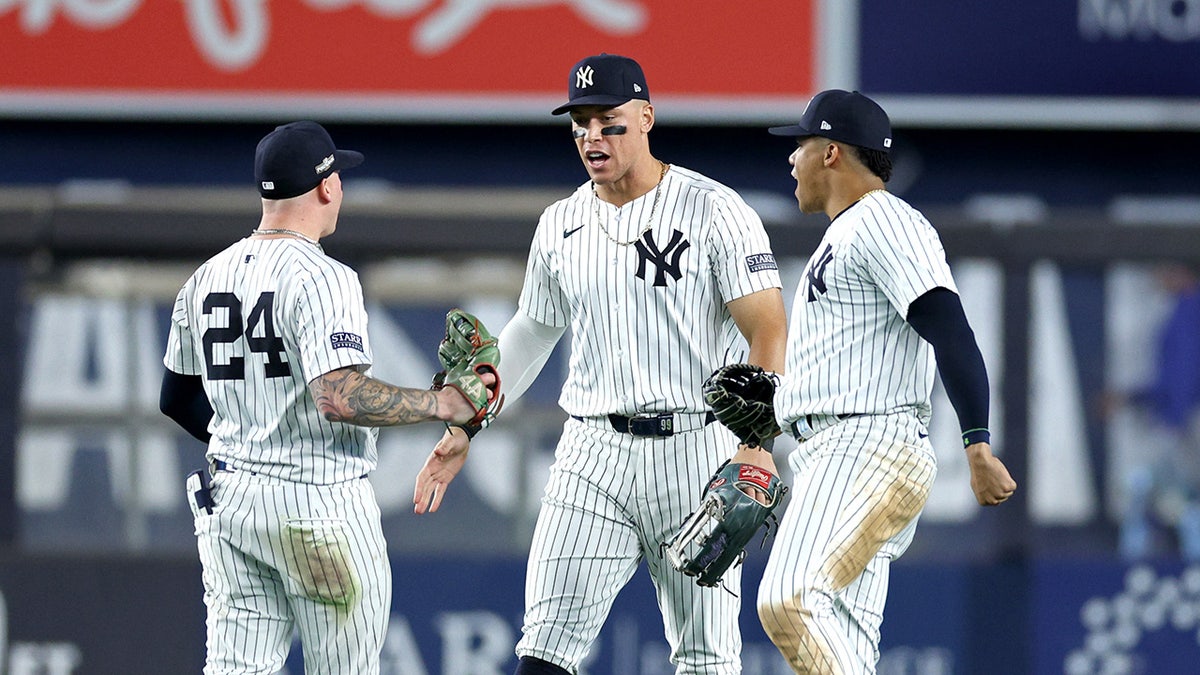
(850, 348)
(258, 322)
(644, 293)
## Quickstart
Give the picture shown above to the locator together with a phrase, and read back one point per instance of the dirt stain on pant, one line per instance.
(319, 560)
(888, 495)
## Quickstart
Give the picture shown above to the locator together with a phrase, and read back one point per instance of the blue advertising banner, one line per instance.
(1090, 48)
(1100, 617)
(463, 617)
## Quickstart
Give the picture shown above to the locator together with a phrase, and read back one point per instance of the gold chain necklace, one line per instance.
(290, 233)
(649, 219)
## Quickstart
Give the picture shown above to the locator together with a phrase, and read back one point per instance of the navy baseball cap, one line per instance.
(604, 79)
(845, 116)
(295, 158)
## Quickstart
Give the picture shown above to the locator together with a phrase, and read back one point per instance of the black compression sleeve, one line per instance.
(182, 398)
(938, 317)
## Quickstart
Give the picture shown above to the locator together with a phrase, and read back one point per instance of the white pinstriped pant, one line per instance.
(611, 500)
(860, 487)
(278, 556)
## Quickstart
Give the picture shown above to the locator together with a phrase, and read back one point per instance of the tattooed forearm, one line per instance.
(347, 395)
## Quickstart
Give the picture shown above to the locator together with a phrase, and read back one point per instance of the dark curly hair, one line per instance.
(878, 161)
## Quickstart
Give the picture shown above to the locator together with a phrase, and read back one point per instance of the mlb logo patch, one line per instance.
(761, 261)
(346, 341)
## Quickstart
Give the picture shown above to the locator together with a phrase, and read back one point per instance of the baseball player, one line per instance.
(268, 361)
(875, 308)
(655, 269)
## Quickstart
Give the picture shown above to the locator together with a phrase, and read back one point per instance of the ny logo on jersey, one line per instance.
(666, 261)
(816, 273)
(583, 77)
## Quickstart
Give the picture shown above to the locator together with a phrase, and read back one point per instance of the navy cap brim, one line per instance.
(346, 159)
(597, 99)
(790, 130)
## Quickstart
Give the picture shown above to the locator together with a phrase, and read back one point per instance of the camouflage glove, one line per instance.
(741, 396)
(714, 537)
(466, 351)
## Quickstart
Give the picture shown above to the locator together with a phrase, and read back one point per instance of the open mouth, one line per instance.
(595, 159)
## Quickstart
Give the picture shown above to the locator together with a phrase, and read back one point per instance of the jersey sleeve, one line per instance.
(181, 355)
(903, 255)
(542, 298)
(740, 253)
(331, 322)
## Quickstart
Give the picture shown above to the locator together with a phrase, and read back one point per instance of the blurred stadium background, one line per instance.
(1054, 145)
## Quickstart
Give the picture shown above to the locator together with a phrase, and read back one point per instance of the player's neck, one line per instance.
(282, 224)
(845, 196)
(636, 182)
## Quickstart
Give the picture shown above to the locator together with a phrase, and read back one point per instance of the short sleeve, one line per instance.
(182, 356)
(330, 320)
(902, 254)
(542, 298)
(741, 254)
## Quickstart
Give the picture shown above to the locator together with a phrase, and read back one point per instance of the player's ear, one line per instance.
(325, 189)
(647, 117)
(833, 152)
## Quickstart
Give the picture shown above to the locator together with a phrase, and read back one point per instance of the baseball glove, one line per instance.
(714, 537)
(741, 396)
(466, 351)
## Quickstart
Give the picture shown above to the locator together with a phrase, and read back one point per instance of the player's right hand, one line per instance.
(447, 459)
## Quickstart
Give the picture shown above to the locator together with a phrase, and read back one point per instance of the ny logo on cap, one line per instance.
(583, 77)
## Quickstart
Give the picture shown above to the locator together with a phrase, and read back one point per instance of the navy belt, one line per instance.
(810, 425)
(217, 465)
(661, 424)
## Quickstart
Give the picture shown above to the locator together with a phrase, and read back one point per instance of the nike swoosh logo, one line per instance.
(567, 233)
(922, 435)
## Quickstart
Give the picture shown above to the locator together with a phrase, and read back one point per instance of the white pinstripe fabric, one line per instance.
(850, 349)
(637, 346)
(611, 500)
(861, 483)
(279, 555)
(859, 490)
(295, 540)
(271, 424)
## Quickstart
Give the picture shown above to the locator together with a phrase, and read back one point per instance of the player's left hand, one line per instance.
(762, 458)
(714, 537)
(990, 480)
(443, 464)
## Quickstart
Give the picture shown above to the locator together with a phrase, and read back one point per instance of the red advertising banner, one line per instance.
(241, 55)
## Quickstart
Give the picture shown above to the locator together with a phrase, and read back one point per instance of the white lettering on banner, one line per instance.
(238, 43)
(1148, 604)
(1170, 20)
(400, 656)
(49, 658)
(33, 658)
(93, 14)
(916, 661)
(98, 360)
(475, 643)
